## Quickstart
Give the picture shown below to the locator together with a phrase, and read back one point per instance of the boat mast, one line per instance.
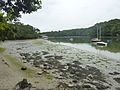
(97, 32)
(100, 32)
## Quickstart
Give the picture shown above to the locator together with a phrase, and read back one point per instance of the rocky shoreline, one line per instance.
(71, 68)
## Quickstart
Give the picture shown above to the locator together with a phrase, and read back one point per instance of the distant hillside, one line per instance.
(108, 28)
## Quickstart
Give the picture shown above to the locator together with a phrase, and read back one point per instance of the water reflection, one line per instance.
(74, 40)
(111, 51)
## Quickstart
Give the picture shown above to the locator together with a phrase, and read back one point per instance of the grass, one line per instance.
(39, 41)
(29, 72)
(112, 47)
(2, 50)
(48, 76)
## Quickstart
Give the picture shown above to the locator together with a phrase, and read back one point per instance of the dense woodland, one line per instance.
(10, 11)
(22, 31)
(108, 28)
(17, 30)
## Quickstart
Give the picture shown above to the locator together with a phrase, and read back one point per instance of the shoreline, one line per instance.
(69, 67)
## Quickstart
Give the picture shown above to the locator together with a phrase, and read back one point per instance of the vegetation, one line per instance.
(23, 31)
(114, 47)
(39, 42)
(10, 10)
(18, 31)
(2, 50)
(29, 72)
(4, 27)
(14, 8)
(110, 28)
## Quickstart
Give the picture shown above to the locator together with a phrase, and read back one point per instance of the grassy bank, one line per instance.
(18, 65)
(2, 50)
(15, 63)
(40, 42)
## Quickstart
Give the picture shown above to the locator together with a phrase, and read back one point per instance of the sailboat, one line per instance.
(98, 40)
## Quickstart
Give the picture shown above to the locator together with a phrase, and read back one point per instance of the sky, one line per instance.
(69, 14)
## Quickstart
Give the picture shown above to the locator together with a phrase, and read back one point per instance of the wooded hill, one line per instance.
(24, 31)
(18, 31)
(108, 28)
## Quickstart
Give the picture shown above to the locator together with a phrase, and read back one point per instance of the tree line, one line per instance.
(10, 31)
(108, 28)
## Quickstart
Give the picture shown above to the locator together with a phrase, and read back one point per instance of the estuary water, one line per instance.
(111, 51)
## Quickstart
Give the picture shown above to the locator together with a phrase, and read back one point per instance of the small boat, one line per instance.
(95, 40)
(71, 39)
(45, 37)
(102, 43)
(98, 41)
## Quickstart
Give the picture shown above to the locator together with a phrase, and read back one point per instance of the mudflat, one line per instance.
(51, 66)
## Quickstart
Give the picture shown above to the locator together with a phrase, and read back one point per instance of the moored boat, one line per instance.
(102, 43)
(95, 40)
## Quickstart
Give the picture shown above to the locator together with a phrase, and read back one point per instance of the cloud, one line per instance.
(65, 14)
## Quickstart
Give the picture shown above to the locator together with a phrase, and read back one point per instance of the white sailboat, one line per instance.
(102, 43)
(98, 39)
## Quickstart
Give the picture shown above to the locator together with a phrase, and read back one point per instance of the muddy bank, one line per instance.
(70, 68)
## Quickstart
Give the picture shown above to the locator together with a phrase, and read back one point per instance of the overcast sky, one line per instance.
(68, 14)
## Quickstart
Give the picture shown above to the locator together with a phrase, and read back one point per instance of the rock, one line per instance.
(117, 80)
(45, 64)
(39, 73)
(74, 81)
(49, 56)
(23, 68)
(6, 63)
(23, 85)
(117, 88)
(70, 85)
(114, 73)
(101, 86)
(58, 57)
(24, 61)
(44, 52)
(18, 48)
(90, 76)
(36, 53)
(36, 82)
(37, 57)
(86, 86)
(77, 63)
(50, 89)
(3, 60)
(68, 64)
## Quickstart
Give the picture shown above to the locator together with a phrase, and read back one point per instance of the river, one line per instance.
(111, 51)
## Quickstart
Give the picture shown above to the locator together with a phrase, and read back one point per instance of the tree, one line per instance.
(6, 29)
(10, 10)
(14, 8)
(3, 27)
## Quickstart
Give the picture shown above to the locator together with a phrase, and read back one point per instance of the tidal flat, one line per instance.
(69, 68)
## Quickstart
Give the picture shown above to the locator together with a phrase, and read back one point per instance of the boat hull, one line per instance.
(102, 43)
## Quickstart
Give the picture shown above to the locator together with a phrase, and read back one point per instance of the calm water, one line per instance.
(111, 51)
